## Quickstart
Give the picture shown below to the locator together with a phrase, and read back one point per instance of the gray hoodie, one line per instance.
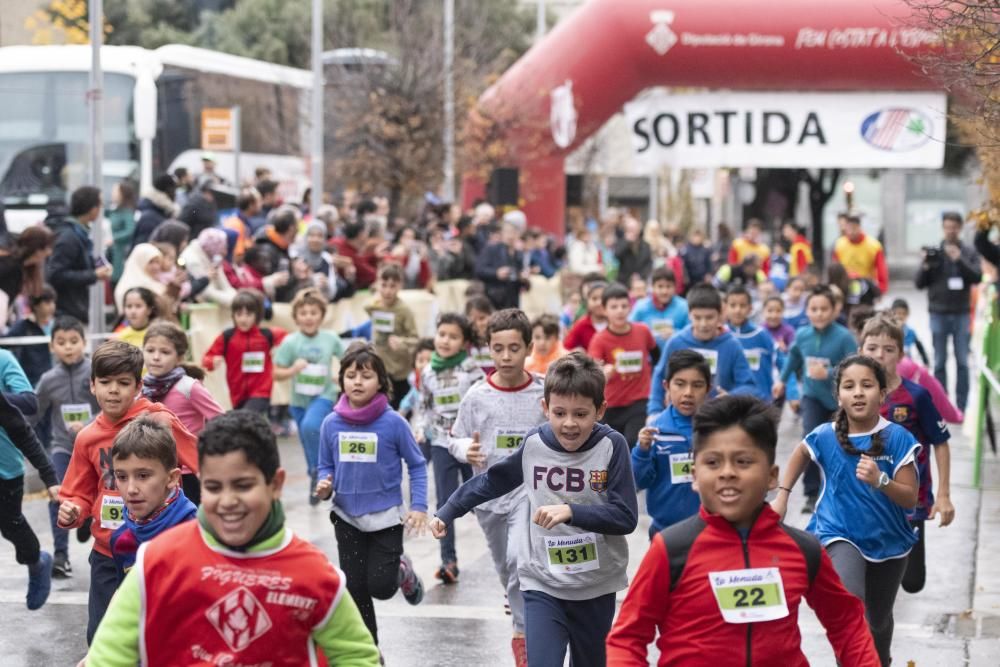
(66, 391)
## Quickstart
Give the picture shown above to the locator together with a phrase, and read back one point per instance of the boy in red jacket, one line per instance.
(89, 489)
(727, 583)
(246, 351)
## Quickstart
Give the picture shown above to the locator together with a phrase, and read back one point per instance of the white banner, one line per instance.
(792, 130)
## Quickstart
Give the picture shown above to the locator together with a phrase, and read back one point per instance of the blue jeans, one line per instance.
(309, 420)
(955, 325)
(104, 582)
(813, 414)
(448, 474)
(60, 536)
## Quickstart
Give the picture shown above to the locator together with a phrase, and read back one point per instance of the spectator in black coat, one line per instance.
(502, 269)
(200, 211)
(155, 206)
(697, 258)
(635, 258)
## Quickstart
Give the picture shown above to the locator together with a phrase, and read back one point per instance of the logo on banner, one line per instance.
(562, 115)
(240, 618)
(896, 129)
(661, 38)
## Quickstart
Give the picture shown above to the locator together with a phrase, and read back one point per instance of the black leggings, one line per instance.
(916, 564)
(370, 562)
(13, 525)
(627, 420)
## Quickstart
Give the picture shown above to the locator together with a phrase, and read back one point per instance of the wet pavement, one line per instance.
(465, 624)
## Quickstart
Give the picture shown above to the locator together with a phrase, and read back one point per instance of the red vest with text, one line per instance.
(206, 606)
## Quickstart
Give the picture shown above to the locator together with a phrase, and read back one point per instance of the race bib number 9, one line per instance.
(680, 468)
(383, 322)
(312, 380)
(509, 440)
(572, 554)
(447, 400)
(75, 412)
(112, 512)
(359, 447)
(253, 362)
(629, 362)
(749, 596)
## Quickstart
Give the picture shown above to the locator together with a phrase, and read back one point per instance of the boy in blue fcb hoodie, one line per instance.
(663, 312)
(757, 343)
(705, 335)
(662, 460)
(144, 459)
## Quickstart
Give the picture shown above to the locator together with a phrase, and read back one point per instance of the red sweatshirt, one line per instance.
(250, 376)
(88, 479)
(689, 619)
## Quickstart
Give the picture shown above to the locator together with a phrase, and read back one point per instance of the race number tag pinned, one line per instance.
(253, 362)
(358, 447)
(75, 413)
(680, 468)
(112, 512)
(447, 400)
(711, 356)
(508, 440)
(627, 362)
(312, 380)
(753, 358)
(749, 596)
(956, 283)
(663, 329)
(383, 321)
(572, 554)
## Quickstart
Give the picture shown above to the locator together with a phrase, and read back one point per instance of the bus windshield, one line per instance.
(45, 135)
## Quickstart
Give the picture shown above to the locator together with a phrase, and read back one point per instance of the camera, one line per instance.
(931, 253)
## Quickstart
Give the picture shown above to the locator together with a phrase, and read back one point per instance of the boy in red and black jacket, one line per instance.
(246, 351)
(728, 582)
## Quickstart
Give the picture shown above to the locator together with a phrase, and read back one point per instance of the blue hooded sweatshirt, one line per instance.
(759, 350)
(663, 323)
(724, 355)
(665, 471)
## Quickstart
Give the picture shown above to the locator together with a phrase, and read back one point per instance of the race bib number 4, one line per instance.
(253, 362)
(508, 441)
(112, 512)
(572, 554)
(629, 362)
(358, 447)
(383, 322)
(447, 400)
(749, 596)
(312, 380)
(680, 468)
(75, 412)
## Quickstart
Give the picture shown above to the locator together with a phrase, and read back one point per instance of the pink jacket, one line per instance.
(914, 372)
(195, 410)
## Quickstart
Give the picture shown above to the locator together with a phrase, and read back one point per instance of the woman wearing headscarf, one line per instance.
(205, 260)
(142, 268)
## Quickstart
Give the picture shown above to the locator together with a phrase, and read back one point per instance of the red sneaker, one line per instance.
(520, 649)
(447, 573)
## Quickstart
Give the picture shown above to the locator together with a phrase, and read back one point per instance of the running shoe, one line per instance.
(39, 581)
(61, 569)
(447, 573)
(520, 649)
(313, 498)
(409, 582)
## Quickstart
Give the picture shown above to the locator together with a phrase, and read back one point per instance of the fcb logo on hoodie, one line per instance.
(598, 481)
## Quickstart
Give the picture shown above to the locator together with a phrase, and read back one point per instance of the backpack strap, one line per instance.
(678, 539)
(269, 335)
(227, 335)
(184, 386)
(810, 548)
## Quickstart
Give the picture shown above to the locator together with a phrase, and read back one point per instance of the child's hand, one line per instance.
(943, 505)
(476, 456)
(609, 370)
(646, 437)
(415, 523)
(419, 435)
(794, 405)
(550, 516)
(778, 390)
(817, 371)
(218, 360)
(324, 488)
(74, 427)
(299, 365)
(867, 471)
(68, 513)
(438, 528)
(54, 493)
(395, 343)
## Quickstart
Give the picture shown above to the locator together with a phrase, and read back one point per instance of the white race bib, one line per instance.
(711, 356)
(817, 368)
(112, 512)
(253, 362)
(630, 361)
(572, 554)
(749, 596)
(311, 380)
(358, 447)
(508, 440)
(956, 283)
(447, 400)
(75, 412)
(680, 468)
(663, 328)
(383, 321)
(753, 358)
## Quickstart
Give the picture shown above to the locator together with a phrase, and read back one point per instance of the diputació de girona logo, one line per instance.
(562, 114)
(896, 129)
(239, 617)
(661, 38)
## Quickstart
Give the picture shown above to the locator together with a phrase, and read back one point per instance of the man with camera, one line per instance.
(948, 272)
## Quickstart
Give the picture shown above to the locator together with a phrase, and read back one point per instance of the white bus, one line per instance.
(152, 119)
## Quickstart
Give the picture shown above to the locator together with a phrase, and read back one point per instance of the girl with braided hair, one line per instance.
(869, 482)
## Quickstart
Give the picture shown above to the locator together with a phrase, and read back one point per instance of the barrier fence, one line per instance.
(988, 370)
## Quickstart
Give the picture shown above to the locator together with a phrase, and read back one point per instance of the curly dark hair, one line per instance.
(241, 431)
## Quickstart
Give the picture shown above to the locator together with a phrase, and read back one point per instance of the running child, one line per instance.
(478, 309)
(573, 553)
(817, 350)
(306, 357)
(910, 405)
(663, 311)
(443, 383)
(545, 345)
(869, 485)
(758, 345)
(240, 534)
(662, 459)
(420, 359)
(795, 302)
(140, 308)
(64, 393)
(901, 313)
(363, 446)
(394, 330)
(492, 421)
(35, 359)
(706, 336)
(584, 329)
(144, 461)
(627, 352)
(783, 335)
(245, 348)
(691, 587)
(88, 489)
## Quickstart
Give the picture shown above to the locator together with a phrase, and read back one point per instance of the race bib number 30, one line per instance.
(572, 554)
(112, 512)
(508, 441)
(359, 447)
(749, 596)
(253, 362)
(680, 468)
(312, 380)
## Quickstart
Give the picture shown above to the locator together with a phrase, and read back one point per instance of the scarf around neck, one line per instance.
(363, 415)
(439, 363)
(176, 509)
(274, 522)
(156, 388)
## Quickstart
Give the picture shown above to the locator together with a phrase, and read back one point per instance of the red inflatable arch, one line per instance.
(608, 51)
